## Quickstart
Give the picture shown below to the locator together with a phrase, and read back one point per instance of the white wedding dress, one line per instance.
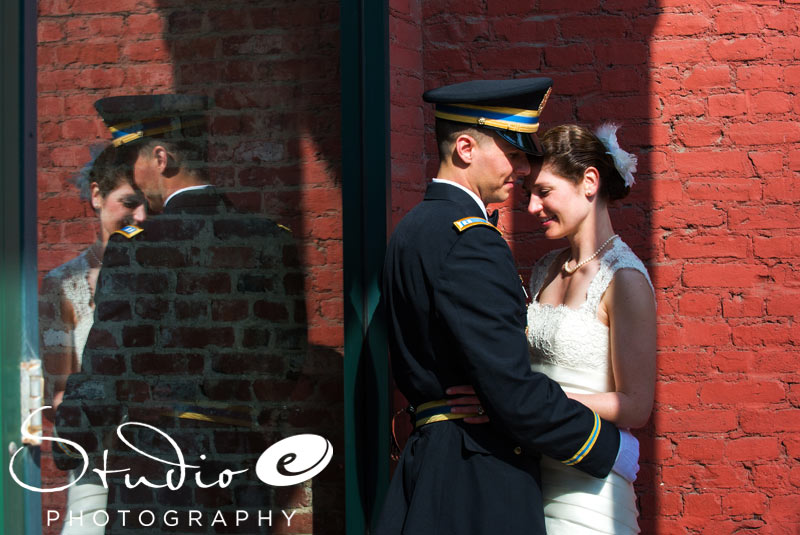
(571, 346)
(70, 282)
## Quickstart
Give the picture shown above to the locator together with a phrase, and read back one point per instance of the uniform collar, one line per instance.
(197, 200)
(465, 190)
(182, 190)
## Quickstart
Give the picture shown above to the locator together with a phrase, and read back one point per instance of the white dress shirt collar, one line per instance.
(471, 193)
(185, 189)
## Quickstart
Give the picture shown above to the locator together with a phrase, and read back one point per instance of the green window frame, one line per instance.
(366, 202)
(18, 281)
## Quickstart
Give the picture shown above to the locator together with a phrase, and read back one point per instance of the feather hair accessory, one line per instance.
(624, 161)
(81, 178)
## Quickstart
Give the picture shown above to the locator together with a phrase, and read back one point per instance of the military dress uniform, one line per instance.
(199, 311)
(456, 313)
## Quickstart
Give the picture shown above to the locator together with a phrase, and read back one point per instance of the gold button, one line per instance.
(518, 450)
(482, 121)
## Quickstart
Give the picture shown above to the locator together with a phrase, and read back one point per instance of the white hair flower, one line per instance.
(624, 161)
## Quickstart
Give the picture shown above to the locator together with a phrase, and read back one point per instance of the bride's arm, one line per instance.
(630, 309)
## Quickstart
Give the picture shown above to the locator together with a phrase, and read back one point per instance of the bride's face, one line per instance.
(558, 203)
(121, 206)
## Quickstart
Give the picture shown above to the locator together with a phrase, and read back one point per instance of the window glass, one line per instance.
(190, 264)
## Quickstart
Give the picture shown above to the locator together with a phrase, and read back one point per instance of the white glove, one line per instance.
(627, 463)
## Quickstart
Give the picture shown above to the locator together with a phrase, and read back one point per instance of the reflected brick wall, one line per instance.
(271, 68)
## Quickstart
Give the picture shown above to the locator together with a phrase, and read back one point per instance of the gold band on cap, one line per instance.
(514, 119)
(123, 133)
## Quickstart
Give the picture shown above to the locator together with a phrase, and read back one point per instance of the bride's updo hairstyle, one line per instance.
(571, 149)
(104, 169)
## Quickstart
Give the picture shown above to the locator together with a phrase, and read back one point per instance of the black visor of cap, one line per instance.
(528, 143)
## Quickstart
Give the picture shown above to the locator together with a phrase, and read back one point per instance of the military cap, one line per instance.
(509, 107)
(134, 117)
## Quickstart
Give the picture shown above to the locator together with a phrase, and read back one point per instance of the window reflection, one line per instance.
(221, 322)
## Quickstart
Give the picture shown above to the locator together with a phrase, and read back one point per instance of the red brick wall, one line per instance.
(705, 93)
(272, 69)
(728, 424)
(409, 157)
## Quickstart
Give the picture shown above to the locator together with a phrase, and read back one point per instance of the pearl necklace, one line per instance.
(569, 271)
(94, 255)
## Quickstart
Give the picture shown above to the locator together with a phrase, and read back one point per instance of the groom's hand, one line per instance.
(467, 403)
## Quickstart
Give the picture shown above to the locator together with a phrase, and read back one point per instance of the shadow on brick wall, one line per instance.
(272, 69)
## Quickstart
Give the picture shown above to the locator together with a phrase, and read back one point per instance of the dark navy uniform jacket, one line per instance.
(456, 312)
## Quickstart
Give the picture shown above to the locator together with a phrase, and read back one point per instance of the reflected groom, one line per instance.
(198, 314)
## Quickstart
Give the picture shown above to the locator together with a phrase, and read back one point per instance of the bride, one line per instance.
(591, 322)
(67, 313)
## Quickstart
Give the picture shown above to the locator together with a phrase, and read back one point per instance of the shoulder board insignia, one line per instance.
(129, 231)
(469, 222)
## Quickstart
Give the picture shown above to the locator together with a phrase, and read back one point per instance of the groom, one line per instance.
(195, 314)
(456, 313)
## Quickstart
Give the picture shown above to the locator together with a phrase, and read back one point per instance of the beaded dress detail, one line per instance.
(571, 346)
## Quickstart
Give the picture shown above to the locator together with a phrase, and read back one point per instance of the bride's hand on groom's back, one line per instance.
(466, 403)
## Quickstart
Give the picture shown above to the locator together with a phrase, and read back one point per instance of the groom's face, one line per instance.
(148, 172)
(497, 165)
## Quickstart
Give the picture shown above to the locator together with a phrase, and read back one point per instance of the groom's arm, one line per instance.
(480, 300)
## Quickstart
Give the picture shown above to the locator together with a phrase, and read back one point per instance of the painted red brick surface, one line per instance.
(706, 94)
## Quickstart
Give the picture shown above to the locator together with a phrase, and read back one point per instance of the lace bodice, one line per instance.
(574, 340)
(68, 282)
